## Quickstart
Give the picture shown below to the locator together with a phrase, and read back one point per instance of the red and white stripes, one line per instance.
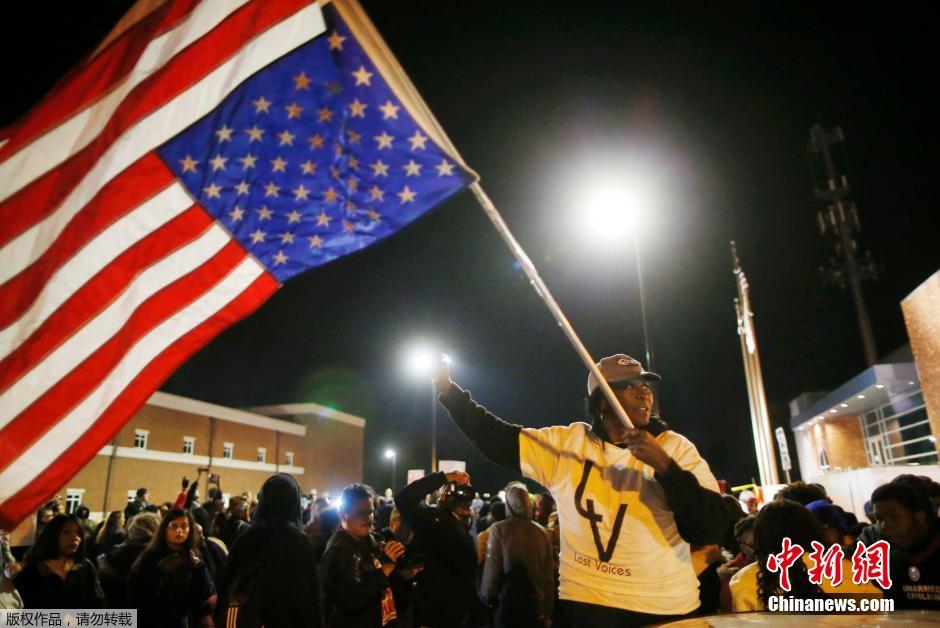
(111, 275)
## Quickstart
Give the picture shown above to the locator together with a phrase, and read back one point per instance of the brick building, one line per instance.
(172, 436)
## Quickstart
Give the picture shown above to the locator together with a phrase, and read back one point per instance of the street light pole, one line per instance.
(433, 428)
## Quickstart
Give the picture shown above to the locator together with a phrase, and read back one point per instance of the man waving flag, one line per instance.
(204, 154)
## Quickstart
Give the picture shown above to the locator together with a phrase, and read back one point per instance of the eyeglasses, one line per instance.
(178, 526)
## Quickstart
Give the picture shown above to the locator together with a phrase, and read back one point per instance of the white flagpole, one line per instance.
(542, 290)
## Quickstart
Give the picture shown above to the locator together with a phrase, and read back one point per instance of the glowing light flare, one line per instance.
(612, 210)
(390, 453)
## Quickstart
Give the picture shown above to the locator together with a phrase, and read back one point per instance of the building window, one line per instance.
(140, 438)
(189, 444)
(73, 499)
(227, 450)
(262, 454)
(289, 458)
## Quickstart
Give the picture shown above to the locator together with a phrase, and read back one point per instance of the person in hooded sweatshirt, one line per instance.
(114, 568)
(271, 576)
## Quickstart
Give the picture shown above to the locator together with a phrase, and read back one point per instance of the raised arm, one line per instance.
(496, 439)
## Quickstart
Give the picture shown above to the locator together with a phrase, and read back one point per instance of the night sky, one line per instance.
(715, 102)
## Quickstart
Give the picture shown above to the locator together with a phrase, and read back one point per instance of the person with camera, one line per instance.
(446, 588)
(630, 500)
(356, 568)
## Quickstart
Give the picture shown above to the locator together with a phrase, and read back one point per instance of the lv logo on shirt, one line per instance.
(603, 553)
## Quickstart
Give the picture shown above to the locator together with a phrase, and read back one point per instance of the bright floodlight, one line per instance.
(614, 209)
(389, 453)
(419, 361)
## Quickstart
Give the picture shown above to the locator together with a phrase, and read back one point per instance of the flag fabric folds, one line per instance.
(168, 186)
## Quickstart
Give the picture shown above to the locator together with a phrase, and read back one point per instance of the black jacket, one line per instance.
(446, 589)
(354, 582)
(41, 588)
(170, 589)
(270, 578)
(700, 513)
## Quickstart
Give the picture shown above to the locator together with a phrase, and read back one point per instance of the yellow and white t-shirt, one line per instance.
(620, 546)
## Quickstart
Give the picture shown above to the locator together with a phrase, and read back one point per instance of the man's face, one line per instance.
(357, 520)
(636, 398)
(899, 525)
(463, 513)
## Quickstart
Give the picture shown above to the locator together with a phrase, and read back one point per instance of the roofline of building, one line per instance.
(224, 413)
(877, 375)
(310, 410)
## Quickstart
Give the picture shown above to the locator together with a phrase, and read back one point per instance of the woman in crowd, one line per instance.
(111, 533)
(169, 584)
(56, 573)
(753, 586)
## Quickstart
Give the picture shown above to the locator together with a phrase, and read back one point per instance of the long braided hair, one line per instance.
(778, 519)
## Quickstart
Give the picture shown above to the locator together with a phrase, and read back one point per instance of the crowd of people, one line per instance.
(629, 529)
(436, 554)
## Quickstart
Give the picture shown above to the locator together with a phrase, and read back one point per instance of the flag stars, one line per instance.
(316, 141)
(417, 141)
(389, 110)
(325, 114)
(354, 138)
(412, 169)
(363, 76)
(212, 191)
(280, 259)
(315, 241)
(301, 81)
(286, 137)
(237, 214)
(352, 184)
(254, 133)
(384, 140)
(248, 161)
(334, 172)
(445, 168)
(336, 41)
(308, 167)
(357, 109)
(330, 195)
(293, 110)
(218, 163)
(379, 169)
(262, 105)
(287, 237)
(188, 163)
(278, 165)
(257, 236)
(224, 134)
(375, 194)
(293, 216)
(264, 213)
(271, 189)
(374, 216)
(242, 187)
(323, 220)
(406, 195)
(301, 193)
(347, 227)
(353, 163)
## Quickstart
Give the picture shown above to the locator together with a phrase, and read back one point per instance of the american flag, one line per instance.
(206, 153)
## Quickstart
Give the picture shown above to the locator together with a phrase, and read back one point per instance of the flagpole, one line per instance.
(542, 290)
